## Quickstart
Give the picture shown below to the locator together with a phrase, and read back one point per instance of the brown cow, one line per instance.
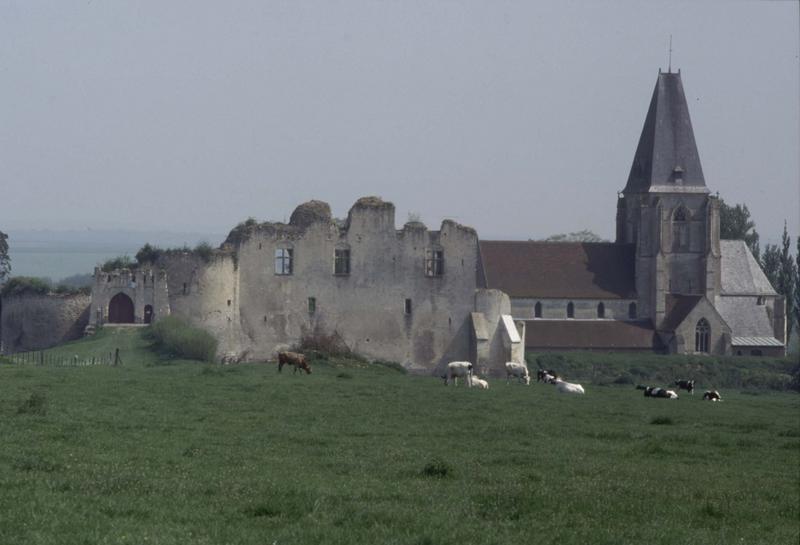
(295, 359)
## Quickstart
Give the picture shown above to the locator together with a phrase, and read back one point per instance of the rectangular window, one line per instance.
(408, 306)
(434, 262)
(283, 261)
(341, 262)
(312, 305)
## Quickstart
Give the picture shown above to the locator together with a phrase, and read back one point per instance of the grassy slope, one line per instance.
(151, 453)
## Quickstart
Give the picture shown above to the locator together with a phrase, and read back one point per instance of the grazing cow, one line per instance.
(457, 369)
(712, 395)
(651, 391)
(569, 387)
(549, 377)
(478, 383)
(519, 370)
(685, 385)
(295, 359)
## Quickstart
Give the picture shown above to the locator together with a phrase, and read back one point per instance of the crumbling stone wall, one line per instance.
(36, 322)
(384, 307)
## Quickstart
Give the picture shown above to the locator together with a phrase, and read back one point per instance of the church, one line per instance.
(667, 284)
(422, 297)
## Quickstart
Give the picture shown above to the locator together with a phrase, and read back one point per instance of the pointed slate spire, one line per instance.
(666, 159)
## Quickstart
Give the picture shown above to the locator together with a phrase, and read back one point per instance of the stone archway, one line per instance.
(120, 310)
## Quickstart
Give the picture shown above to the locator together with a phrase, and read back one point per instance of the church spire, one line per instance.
(666, 159)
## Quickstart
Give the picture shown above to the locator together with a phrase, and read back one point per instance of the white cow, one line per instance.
(457, 369)
(569, 388)
(519, 370)
(478, 383)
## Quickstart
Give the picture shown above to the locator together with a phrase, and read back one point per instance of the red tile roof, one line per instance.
(573, 270)
(590, 335)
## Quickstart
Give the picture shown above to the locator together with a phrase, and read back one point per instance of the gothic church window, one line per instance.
(537, 310)
(601, 310)
(284, 258)
(570, 310)
(680, 230)
(312, 305)
(702, 332)
(434, 262)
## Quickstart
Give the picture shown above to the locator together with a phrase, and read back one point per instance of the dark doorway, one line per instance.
(120, 309)
(148, 314)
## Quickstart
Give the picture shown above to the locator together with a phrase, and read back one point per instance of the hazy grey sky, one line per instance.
(518, 118)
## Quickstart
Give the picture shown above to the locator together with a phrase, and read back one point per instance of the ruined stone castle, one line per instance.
(423, 298)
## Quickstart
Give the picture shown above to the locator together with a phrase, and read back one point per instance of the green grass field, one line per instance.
(164, 452)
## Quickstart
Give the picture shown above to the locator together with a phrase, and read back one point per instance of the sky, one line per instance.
(520, 119)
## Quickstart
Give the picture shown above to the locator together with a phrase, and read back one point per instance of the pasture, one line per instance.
(167, 452)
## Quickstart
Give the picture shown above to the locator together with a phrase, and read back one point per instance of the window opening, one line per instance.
(570, 310)
(283, 261)
(601, 310)
(537, 310)
(702, 333)
(680, 230)
(434, 262)
(341, 261)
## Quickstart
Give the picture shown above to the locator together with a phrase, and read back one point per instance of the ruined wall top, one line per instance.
(319, 212)
(309, 213)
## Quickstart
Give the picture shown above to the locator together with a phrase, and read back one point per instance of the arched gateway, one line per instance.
(120, 309)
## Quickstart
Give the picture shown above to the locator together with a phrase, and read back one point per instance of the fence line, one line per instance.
(43, 358)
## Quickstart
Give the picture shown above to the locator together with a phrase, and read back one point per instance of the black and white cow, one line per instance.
(651, 391)
(546, 376)
(687, 385)
(712, 395)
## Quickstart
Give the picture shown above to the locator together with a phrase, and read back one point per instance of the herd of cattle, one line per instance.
(519, 371)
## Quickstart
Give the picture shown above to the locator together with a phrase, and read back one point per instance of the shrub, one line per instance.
(662, 421)
(35, 404)
(204, 251)
(327, 344)
(119, 262)
(63, 289)
(391, 365)
(177, 337)
(148, 254)
(25, 285)
(437, 468)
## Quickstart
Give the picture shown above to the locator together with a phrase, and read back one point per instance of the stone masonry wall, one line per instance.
(385, 308)
(36, 322)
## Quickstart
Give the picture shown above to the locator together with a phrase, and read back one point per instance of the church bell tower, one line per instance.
(666, 209)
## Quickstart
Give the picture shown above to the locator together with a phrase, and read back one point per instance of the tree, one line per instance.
(797, 284)
(787, 272)
(5, 261)
(735, 224)
(577, 236)
(771, 263)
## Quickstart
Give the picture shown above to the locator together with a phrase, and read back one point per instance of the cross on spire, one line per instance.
(669, 69)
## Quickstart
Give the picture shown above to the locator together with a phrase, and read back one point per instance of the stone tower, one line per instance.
(666, 210)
